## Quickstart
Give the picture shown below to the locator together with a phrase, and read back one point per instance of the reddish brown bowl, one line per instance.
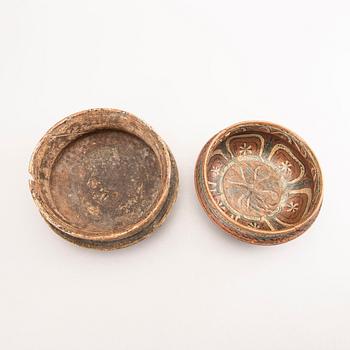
(259, 182)
(103, 179)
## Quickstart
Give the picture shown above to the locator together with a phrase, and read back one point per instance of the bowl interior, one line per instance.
(263, 177)
(105, 180)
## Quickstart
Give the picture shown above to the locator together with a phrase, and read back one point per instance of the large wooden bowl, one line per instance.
(103, 179)
(259, 182)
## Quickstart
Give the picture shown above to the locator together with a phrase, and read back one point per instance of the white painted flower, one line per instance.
(221, 205)
(215, 170)
(245, 149)
(213, 188)
(292, 207)
(286, 167)
(254, 225)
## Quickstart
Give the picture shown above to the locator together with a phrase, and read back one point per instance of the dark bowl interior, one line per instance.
(105, 180)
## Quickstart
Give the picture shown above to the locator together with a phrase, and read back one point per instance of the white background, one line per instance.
(188, 68)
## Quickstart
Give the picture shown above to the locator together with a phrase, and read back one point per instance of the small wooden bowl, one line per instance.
(103, 179)
(259, 182)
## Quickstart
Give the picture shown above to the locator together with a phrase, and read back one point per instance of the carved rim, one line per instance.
(113, 119)
(206, 199)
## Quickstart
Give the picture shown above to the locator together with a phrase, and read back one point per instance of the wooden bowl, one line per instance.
(103, 179)
(259, 182)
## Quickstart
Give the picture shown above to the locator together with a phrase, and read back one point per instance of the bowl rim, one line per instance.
(44, 204)
(204, 158)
